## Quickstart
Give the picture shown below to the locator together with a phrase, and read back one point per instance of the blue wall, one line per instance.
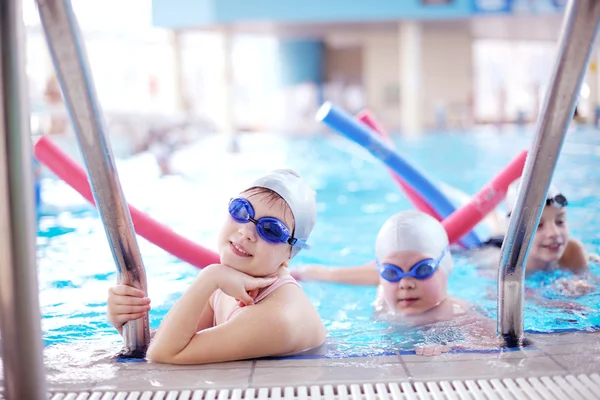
(518, 6)
(189, 13)
(198, 13)
(182, 13)
(336, 10)
(301, 61)
(491, 6)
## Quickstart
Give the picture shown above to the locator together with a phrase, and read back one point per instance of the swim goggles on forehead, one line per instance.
(422, 270)
(270, 229)
(558, 201)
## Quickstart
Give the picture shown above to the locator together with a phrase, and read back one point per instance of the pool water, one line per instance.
(355, 197)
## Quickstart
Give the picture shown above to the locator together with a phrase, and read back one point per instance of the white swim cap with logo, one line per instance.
(513, 191)
(414, 231)
(299, 196)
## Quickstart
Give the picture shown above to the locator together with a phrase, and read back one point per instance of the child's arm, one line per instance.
(263, 330)
(251, 333)
(365, 274)
(575, 257)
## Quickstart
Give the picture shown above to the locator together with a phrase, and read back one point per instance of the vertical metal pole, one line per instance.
(575, 47)
(67, 49)
(20, 317)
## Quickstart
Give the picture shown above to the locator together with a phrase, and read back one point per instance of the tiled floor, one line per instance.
(557, 354)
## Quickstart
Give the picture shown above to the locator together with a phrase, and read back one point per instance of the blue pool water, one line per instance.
(355, 196)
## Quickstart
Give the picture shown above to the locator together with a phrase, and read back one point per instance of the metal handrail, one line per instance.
(20, 317)
(70, 62)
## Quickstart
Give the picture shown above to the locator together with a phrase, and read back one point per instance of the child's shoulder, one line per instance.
(285, 290)
(575, 257)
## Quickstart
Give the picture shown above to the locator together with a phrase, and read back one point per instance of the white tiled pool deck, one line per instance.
(550, 355)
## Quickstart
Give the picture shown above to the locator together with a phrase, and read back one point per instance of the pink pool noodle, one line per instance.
(67, 169)
(465, 218)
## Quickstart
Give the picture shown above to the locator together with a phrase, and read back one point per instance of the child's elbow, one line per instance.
(157, 355)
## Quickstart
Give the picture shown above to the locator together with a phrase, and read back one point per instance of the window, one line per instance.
(510, 78)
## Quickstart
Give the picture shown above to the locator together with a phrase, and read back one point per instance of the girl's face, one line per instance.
(241, 247)
(550, 239)
(411, 296)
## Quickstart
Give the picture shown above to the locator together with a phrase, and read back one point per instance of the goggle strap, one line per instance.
(441, 257)
(292, 241)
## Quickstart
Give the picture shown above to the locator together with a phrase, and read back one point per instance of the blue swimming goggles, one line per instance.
(270, 229)
(422, 270)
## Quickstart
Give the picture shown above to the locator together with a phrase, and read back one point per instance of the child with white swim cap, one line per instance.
(413, 263)
(230, 310)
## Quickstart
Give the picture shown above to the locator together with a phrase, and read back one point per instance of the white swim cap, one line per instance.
(513, 191)
(413, 231)
(300, 197)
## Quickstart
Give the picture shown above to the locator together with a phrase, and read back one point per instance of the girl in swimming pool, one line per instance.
(413, 264)
(248, 306)
(411, 271)
(412, 267)
(552, 248)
